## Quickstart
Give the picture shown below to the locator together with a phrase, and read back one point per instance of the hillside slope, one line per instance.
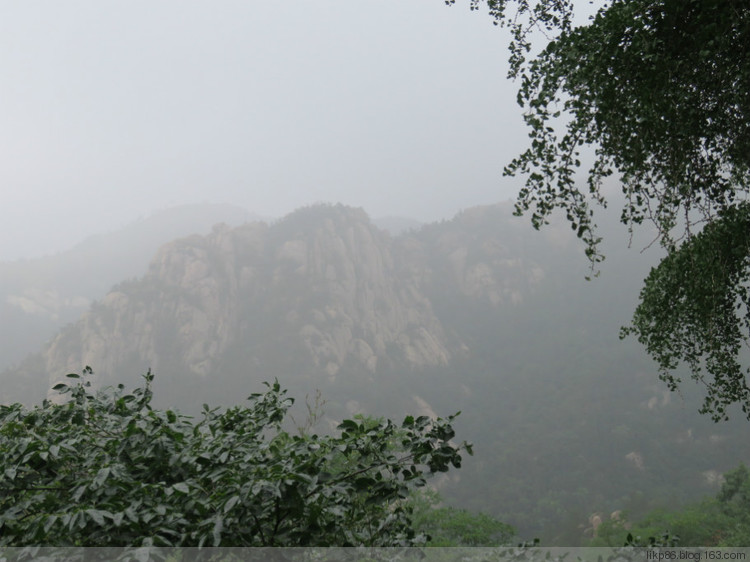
(478, 314)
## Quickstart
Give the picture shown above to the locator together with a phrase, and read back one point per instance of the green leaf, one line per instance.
(131, 514)
(231, 502)
(49, 522)
(97, 515)
(218, 528)
(101, 476)
(348, 425)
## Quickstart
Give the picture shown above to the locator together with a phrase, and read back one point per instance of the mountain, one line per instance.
(40, 296)
(479, 314)
(322, 291)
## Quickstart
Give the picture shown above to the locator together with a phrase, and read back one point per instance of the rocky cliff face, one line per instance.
(323, 286)
(480, 255)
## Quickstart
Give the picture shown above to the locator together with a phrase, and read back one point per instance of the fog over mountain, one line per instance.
(108, 112)
(39, 296)
(479, 314)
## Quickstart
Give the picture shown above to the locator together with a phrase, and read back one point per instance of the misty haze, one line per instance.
(232, 195)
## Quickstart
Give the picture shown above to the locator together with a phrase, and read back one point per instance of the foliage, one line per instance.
(734, 500)
(106, 469)
(694, 308)
(660, 90)
(700, 524)
(449, 526)
(720, 521)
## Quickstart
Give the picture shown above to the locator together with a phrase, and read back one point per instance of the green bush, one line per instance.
(106, 469)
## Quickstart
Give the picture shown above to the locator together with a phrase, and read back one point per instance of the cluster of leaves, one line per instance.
(720, 521)
(659, 91)
(694, 308)
(106, 469)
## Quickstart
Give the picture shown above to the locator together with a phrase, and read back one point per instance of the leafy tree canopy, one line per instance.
(106, 469)
(660, 91)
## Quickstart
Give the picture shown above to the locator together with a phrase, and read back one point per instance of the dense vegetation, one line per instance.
(723, 520)
(107, 469)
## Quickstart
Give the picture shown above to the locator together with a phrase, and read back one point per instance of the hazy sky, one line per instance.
(110, 110)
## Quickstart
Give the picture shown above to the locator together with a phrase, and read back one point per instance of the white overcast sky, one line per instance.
(110, 110)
